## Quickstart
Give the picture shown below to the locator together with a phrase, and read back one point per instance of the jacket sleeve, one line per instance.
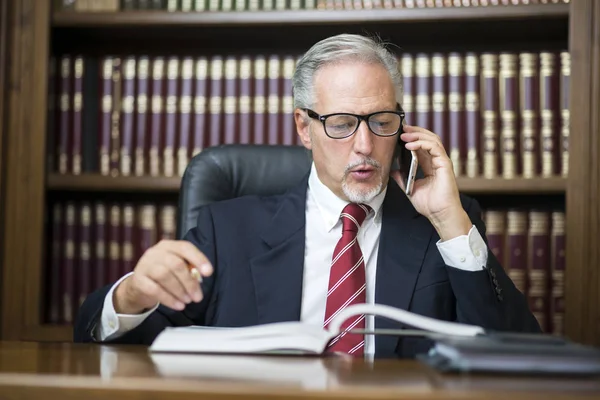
(90, 311)
(488, 297)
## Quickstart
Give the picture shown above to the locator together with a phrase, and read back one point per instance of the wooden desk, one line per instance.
(89, 372)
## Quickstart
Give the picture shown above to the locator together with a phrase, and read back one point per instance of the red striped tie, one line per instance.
(347, 283)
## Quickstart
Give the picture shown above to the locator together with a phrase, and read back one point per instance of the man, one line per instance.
(347, 234)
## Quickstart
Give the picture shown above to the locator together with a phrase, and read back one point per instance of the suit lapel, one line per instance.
(405, 235)
(278, 272)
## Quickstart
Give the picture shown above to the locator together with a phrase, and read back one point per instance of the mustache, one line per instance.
(368, 161)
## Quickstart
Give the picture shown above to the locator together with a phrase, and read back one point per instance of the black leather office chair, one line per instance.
(229, 171)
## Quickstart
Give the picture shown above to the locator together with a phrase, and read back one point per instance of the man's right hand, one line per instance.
(162, 275)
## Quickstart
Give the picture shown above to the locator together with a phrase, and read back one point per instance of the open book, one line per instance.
(296, 337)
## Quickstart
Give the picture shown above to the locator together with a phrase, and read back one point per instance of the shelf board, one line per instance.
(94, 183)
(554, 185)
(48, 333)
(305, 17)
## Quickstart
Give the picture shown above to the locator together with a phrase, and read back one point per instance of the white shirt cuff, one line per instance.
(113, 325)
(466, 252)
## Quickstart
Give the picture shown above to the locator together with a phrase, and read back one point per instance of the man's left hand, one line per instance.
(435, 196)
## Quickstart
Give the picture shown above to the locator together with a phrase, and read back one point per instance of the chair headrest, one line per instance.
(229, 171)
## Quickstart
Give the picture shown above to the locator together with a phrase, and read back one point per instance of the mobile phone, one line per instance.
(407, 164)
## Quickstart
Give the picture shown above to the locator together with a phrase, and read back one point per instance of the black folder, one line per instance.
(512, 353)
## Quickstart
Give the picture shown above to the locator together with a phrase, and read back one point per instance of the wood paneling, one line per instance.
(4, 60)
(583, 201)
(25, 174)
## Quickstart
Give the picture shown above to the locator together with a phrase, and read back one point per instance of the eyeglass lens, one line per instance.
(381, 124)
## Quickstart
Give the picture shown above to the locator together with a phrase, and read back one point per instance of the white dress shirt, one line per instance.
(323, 230)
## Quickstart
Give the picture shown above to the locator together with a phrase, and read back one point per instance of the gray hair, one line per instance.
(337, 49)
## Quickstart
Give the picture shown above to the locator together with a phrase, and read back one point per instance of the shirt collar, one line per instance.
(330, 205)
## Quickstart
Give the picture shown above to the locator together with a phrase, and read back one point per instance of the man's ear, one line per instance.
(303, 127)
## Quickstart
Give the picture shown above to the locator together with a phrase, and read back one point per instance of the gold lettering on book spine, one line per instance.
(84, 246)
(547, 71)
(69, 255)
(100, 221)
(115, 119)
(472, 106)
(274, 74)
(289, 65)
(528, 129)
(517, 226)
(565, 63)
(64, 107)
(245, 102)
(508, 118)
(408, 73)
(489, 117)
(107, 105)
(142, 109)
(230, 106)
(77, 107)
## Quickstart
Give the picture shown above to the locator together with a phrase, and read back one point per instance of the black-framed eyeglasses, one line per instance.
(343, 125)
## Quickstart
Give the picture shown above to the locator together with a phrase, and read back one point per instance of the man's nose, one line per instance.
(363, 140)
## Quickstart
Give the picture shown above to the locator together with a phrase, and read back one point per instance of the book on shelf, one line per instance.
(296, 337)
(498, 114)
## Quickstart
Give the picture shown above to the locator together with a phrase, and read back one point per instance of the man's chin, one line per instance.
(361, 191)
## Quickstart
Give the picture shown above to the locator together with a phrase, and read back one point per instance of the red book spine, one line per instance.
(167, 222)
(216, 101)
(200, 96)
(260, 94)
(65, 115)
(489, 63)
(141, 113)
(115, 129)
(106, 112)
(473, 114)
(456, 72)
(287, 101)
(557, 301)
(529, 102)
(127, 255)
(509, 108)
(517, 248)
(408, 98)
(539, 267)
(423, 100)
(496, 232)
(185, 114)
(273, 100)
(127, 116)
(100, 270)
(114, 247)
(68, 270)
(171, 117)
(565, 116)
(85, 258)
(439, 98)
(147, 236)
(51, 128)
(57, 261)
(549, 108)
(230, 109)
(76, 148)
(245, 93)
(156, 116)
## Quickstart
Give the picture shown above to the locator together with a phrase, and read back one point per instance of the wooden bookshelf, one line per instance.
(136, 18)
(94, 183)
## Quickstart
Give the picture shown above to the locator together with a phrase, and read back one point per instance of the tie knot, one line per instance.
(353, 215)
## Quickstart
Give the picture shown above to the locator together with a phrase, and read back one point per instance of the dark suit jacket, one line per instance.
(256, 245)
